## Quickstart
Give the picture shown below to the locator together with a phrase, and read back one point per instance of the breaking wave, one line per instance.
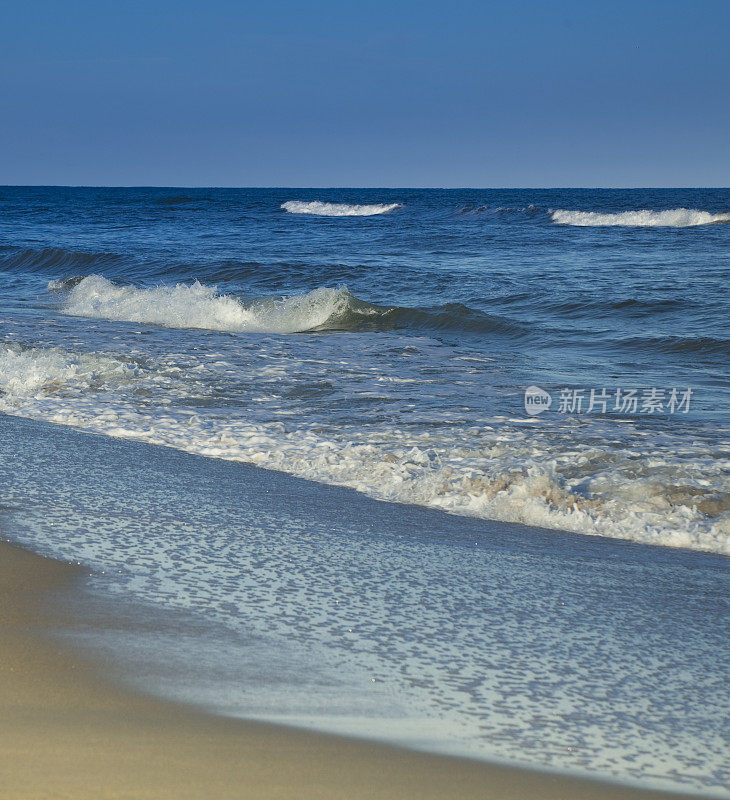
(337, 209)
(200, 306)
(673, 218)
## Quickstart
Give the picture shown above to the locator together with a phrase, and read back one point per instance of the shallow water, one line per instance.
(256, 594)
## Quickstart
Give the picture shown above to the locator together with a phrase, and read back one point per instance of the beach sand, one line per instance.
(66, 733)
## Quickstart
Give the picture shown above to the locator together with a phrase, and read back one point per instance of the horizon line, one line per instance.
(333, 187)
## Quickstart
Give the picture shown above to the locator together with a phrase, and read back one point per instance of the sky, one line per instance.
(369, 93)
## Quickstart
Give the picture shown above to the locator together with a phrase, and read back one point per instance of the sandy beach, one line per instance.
(66, 733)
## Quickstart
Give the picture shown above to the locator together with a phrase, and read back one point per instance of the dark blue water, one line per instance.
(382, 341)
(627, 297)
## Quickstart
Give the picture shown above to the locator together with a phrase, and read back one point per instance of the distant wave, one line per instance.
(691, 345)
(673, 218)
(337, 209)
(470, 208)
(53, 259)
(200, 306)
(500, 211)
(175, 200)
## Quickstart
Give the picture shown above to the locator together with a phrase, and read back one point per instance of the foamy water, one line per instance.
(199, 306)
(251, 594)
(642, 218)
(338, 209)
(503, 469)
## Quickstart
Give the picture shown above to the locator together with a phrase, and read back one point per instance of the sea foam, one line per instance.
(30, 371)
(504, 471)
(643, 218)
(199, 306)
(337, 209)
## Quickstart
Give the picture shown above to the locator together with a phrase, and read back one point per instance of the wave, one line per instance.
(200, 306)
(471, 208)
(673, 218)
(53, 259)
(691, 345)
(507, 472)
(337, 209)
(175, 200)
(448, 317)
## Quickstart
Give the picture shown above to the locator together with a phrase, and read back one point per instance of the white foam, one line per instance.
(200, 306)
(643, 218)
(39, 371)
(506, 472)
(337, 209)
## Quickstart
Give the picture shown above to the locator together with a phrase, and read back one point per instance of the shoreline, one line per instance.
(70, 733)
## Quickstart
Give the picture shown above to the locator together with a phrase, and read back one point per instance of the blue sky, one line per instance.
(365, 94)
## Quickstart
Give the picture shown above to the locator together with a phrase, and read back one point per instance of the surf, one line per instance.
(642, 218)
(199, 306)
(321, 209)
(505, 470)
(203, 307)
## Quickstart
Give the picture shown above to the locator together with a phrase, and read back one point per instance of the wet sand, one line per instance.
(66, 733)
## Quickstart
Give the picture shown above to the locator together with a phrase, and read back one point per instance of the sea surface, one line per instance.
(548, 584)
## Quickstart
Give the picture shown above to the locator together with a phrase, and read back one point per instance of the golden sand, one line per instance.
(67, 733)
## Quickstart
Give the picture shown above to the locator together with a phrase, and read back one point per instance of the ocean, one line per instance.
(537, 382)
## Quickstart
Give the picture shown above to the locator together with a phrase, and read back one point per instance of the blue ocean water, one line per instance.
(382, 341)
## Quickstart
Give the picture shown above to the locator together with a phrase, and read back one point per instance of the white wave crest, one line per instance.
(643, 218)
(337, 209)
(200, 306)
